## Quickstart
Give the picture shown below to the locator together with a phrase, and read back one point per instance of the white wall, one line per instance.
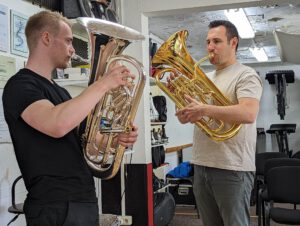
(132, 17)
(268, 112)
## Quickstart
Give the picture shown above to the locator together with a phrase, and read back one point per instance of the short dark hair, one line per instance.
(231, 30)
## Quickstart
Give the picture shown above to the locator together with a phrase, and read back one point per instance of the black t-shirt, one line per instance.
(53, 169)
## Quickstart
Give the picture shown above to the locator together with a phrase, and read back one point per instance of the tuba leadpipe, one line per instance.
(113, 114)
(173, 57)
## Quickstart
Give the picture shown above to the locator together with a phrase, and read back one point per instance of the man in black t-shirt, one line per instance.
(42, 119)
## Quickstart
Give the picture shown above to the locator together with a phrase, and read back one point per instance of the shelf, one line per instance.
(153, 82)
(156, 145)
(162, 189)
(72, 82)
(178, 148)
(163, 165)
(158, 123)
(128, 151)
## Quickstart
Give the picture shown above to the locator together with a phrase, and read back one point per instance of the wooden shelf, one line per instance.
(178, 148)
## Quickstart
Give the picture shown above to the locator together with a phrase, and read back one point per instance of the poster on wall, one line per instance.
(18, 45)
(3, 28)
(4, 131)
(7, 69)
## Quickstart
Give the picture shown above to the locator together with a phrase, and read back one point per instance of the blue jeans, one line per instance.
(223, 196)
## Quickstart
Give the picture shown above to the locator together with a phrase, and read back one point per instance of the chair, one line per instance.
(15, 208)
(296, 155)
(283, 187)
(282, 131)
(260, 160)
(263, 192)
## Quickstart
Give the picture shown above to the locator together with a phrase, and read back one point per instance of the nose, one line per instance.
(72, 50)
(210, 47)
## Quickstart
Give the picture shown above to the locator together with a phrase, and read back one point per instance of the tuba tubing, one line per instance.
(173, 57)
(113, 114)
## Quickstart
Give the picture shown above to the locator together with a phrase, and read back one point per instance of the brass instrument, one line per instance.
(173, 57)
(114, 112)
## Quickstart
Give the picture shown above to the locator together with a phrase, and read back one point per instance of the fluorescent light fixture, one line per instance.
(240, 20)
(259, 54)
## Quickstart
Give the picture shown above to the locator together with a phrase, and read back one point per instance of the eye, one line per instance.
(69, 40)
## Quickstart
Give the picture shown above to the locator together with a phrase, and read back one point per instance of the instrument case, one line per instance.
(182, 190)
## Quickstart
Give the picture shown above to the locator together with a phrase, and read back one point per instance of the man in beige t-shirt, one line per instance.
(224, 170)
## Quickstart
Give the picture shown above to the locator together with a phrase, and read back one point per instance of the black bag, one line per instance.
(164, 208)
(160, 104)
(53, 5)
(158, 156)
(76, 8)
(157, 183)
(103, 11)
(152, 48)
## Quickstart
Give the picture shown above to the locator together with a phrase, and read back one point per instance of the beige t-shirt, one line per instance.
(238, 152)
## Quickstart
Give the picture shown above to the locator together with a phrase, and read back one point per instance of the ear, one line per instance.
(234, 42)
(46, 39)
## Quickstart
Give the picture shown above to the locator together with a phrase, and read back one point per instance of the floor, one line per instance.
(187, 215)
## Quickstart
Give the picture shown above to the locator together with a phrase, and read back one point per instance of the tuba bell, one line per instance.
(190, 80)
(113, 114)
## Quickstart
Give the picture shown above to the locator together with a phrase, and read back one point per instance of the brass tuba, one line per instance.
(114, 112)
(173, 57)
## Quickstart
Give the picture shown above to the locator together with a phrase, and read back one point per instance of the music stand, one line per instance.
(281, 78)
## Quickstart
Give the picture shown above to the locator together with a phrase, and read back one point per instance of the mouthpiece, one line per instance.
(211, 55)
(79, 59)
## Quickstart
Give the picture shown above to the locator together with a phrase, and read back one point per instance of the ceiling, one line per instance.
(264, 20)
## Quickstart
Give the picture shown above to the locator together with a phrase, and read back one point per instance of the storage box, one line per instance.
(182, 190)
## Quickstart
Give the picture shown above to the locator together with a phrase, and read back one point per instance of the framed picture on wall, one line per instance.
(4, 17)
(18, 45)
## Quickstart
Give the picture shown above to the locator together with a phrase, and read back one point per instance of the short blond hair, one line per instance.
(40, 22)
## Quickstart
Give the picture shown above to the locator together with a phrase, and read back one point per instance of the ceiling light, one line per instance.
(259, 54)
(240, 20)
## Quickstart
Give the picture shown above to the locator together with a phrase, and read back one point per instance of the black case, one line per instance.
(76, 8)
(164, 208)
(182, 190)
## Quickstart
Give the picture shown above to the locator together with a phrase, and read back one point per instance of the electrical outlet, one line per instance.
(125, 220)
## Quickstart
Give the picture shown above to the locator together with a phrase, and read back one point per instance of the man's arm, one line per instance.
(242, 113)
(56, 121)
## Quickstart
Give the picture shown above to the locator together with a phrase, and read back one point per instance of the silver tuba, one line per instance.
(113, 114)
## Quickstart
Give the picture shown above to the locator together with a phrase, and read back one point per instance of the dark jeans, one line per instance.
(67, 213)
